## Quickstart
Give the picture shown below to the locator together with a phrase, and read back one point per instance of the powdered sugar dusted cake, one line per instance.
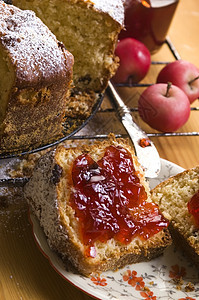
(35, 76)
(89, 30)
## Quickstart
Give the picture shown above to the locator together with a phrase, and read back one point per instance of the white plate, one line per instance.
(150, 280)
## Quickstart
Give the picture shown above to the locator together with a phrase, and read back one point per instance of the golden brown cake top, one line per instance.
(33, 50)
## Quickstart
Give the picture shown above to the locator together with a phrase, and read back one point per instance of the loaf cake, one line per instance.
(89, 30)
(94, 206)
(178, 200)
(35, 79)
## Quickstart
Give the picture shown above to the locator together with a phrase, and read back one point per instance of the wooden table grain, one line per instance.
(24, 272)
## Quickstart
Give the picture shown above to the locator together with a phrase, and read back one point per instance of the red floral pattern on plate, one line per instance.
(99, 281)
(177, 272)
(138, 283)
(132, 278)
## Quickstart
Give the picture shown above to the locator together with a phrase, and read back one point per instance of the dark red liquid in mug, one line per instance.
(148, 21)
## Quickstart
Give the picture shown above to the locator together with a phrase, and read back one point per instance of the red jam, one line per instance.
(110, 201)
(144, 143)
(193, 208)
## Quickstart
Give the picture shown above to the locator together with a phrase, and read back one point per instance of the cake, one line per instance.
(178, 200)
(94, 206)
(89, 30)
(35, 80)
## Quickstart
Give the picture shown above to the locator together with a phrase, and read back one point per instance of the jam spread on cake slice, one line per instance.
(110, 202)
(193, 207)
(144, 143)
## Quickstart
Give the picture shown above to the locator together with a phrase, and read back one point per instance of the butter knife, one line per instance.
(145, 150)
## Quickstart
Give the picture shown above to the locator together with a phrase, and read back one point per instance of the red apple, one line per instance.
(164, 107)
(183, 74)
(135, 60)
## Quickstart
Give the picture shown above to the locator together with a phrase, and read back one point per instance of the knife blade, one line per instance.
(145, 150)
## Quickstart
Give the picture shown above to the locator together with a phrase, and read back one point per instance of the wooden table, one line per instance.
(24, 272)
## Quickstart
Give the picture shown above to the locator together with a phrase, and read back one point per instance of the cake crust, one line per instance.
(34, 109)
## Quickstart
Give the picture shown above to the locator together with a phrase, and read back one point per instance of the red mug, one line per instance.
(148, 21)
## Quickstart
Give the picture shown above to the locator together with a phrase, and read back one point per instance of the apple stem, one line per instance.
(169, 84)
(191, 81)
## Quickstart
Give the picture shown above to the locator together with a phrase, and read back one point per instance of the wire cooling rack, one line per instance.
(176, 56)
(93, 133)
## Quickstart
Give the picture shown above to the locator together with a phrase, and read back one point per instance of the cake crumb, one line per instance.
(179, 282)
(189, 287)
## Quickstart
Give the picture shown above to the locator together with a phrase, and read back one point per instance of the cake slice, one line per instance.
(35, 81)
(178, 200)
(94, 206)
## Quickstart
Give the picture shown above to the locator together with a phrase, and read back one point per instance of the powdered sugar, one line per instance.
(32, 48)
(114, 8)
